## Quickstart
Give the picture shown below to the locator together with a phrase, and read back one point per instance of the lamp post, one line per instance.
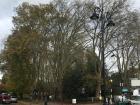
(111, 90)
(105, 21)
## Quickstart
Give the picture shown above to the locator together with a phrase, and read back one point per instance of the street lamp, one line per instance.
(111, 90)
(111, 80)
(105, 21)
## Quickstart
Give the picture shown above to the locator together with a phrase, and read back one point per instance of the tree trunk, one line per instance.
(98, 86)
(60, 94)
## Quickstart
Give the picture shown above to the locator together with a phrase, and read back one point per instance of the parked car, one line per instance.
(5, 98)
(135, 100)
(13, 97)
(121, 100)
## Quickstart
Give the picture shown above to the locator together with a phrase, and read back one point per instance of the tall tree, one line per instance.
(100, 34)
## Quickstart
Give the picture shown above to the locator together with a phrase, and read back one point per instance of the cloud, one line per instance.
(7, 8)
(5, 29)
(136, 4)
(6, 13)
(34, 1)
(5, 25)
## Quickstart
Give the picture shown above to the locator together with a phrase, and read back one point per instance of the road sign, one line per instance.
(135, 82)
(125, 90)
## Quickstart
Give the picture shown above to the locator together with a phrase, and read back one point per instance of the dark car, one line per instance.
(5, 98)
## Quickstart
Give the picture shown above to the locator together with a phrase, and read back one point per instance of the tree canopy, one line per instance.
(54, 46)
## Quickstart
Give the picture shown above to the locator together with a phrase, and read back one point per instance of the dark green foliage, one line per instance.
(72, 84)
(82, 76)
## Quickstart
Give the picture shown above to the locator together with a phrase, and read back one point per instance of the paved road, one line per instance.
(75, 104)
(10, 104)
(29, 103)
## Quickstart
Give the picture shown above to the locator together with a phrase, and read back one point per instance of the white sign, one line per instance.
(135, 82)
(136, 92)
(73, 101)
